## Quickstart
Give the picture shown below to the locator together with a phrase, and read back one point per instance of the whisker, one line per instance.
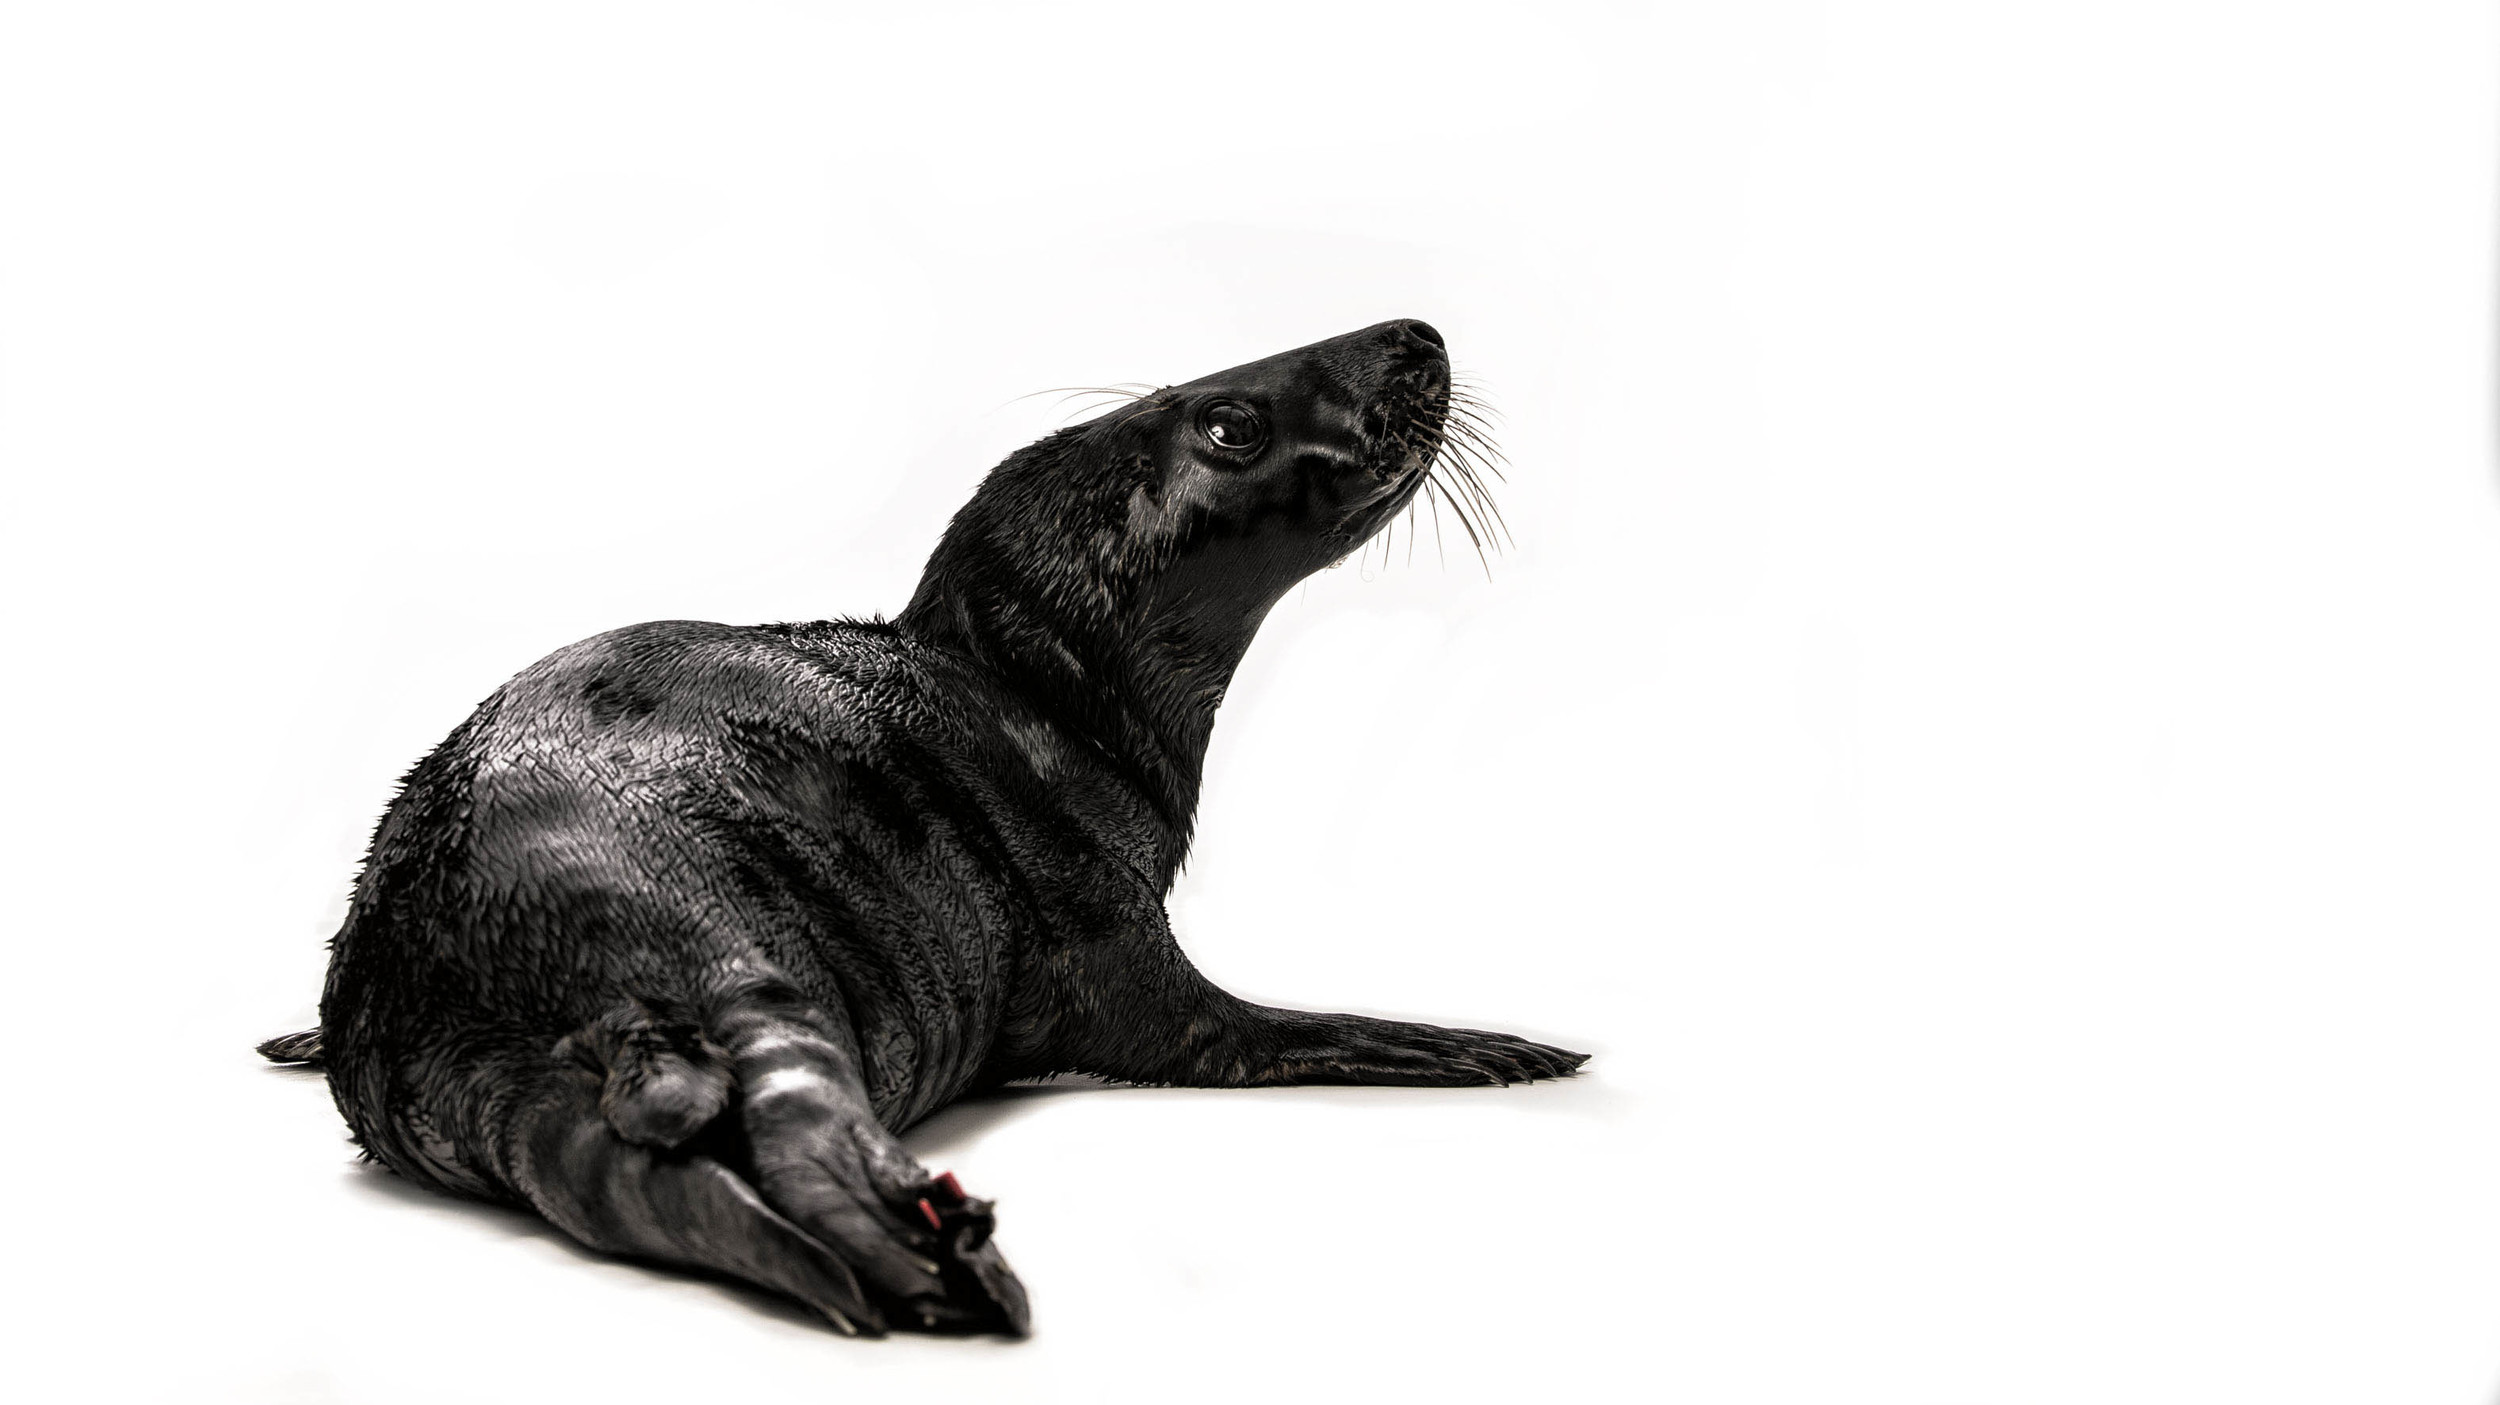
(1477, 435)
(1435, 501)
(1467, 525)
(1472, 453)
(1118, 392)
(1486, 455)
(1464, 478)
(1128, 392)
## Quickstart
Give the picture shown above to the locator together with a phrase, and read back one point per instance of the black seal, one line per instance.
(685, 923)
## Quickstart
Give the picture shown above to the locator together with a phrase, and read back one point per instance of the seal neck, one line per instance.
(1143, 695)
(1064, 580)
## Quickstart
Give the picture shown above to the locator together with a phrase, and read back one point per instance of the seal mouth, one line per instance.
(1433, 450)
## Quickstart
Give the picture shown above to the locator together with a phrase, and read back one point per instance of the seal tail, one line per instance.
(303, 1047)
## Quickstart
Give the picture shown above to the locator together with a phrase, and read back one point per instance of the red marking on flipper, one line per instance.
(930, 1214)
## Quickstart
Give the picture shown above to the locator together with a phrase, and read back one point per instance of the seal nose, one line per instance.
(1423, 331)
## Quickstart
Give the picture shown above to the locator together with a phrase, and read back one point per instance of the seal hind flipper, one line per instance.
(821, 1157)
(303, 1047)
(507, 1113)
(663, 1081)
(578, 1171)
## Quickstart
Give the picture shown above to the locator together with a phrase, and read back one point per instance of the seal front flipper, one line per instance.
(1154, 1019)
(1307, 1047)
(1240, 1045)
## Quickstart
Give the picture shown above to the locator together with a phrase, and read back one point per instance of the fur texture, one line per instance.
(673, 935)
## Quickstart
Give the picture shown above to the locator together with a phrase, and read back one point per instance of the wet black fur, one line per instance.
(685, 922)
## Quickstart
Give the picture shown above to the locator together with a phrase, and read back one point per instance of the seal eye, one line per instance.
(1233, 426)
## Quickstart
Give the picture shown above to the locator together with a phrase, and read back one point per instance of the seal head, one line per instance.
(1273, 469)
(1117, 570)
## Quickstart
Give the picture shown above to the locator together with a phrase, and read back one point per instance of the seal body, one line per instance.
(686, 922)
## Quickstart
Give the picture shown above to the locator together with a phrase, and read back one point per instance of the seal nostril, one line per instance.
(1425, 330)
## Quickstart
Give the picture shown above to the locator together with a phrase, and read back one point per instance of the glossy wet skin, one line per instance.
(671, 937)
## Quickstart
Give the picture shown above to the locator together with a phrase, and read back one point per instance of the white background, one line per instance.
(1991, 730)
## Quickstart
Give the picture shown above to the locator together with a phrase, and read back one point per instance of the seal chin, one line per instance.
(1365, 522)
